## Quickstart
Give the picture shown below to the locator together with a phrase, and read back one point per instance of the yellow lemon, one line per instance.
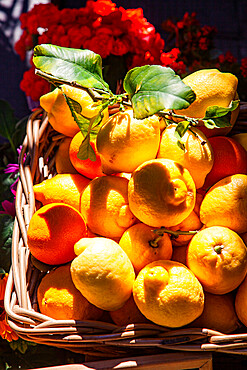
(168, 293)
(211, 87)
(124, 142)
(59, 113)
(225, 204)
(161, 193)
(197, 155)
(62, 188)
(103, 274)
(218, 258)
(105, 206)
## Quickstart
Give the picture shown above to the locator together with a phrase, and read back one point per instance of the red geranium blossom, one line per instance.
(100, 26)
(244, 67)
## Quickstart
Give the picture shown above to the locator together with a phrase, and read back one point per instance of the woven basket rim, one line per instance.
(94, 337)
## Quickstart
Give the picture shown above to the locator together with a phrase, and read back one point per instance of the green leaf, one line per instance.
(223, 121)
(181, 145)
(73, 65)
(209, 123)
(19, 345)
(215, 111)
(154, 88)
(216, 116)
(181, 129)
(76, 109)
(87, 125)
(86, 151)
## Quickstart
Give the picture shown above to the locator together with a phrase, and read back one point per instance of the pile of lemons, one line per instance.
(134, 234)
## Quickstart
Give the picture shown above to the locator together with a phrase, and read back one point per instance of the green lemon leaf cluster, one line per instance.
(150, 89)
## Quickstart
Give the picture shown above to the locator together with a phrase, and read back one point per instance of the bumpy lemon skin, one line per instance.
(161, 192)
(198, 156)
(125, 142)
(168, 293)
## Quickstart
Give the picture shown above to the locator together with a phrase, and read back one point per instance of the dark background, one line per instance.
(228, 16)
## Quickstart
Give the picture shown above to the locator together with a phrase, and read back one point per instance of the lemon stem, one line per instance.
(218, 249)
(93, 92)
(170, 114)
(175, 234)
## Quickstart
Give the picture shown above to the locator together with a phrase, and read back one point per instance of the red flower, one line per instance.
(78, 35)
(68, 16)
(203, 45)
(243, 67)
(120, 47)
(100, 26)
(20, 45)
(33, 24)
(101, 7)
(47, 14)
(33, 85)
(228, 58)
(168, 58)
(44, 39)
(101, 44)
(207, 30)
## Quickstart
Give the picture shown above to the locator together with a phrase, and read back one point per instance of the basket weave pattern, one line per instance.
(89, 337)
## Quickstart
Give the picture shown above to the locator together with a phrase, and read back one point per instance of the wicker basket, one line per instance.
(86, 337)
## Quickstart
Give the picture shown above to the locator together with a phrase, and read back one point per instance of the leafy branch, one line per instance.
(150, 89)
(215, 117)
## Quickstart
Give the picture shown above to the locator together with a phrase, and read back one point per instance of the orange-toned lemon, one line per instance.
(58, 297)
(85, 167)
(225, 204)
(129, 313)
(105, 206)
(241, 302)
(142, 246)
(62, 161)
(230, 158)
(52, 232)
(218, 313)
(191, 224)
